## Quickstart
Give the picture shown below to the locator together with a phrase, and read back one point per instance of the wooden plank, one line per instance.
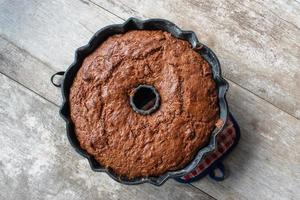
(37, 162)
(27, 70)
(33, 73)
(261, 52)
(52, 30)
(257, 41)
(259, 166)
(265, 164)
(257, 151)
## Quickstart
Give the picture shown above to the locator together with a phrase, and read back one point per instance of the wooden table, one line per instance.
(257, 42)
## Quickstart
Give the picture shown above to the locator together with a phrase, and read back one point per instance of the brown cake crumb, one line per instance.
(135, 145)
(219, 123)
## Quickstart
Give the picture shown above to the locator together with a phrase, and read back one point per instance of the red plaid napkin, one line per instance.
(225, 140)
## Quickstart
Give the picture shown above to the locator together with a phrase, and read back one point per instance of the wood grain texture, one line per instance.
(265, 164)
(258, 42)
(19, 65)
(51, 30)
(259, 166)
(37, 162)
(33, 73)
(257, 45)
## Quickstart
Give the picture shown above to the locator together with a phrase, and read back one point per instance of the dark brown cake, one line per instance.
(135, 145)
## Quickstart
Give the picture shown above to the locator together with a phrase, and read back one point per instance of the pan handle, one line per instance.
(61, 73)
(221, 169)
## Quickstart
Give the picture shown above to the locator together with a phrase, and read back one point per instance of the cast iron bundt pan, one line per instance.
(150, 24)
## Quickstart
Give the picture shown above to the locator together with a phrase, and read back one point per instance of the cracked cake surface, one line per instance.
(135, 145)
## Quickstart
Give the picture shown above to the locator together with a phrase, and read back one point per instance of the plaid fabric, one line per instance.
(225, 140)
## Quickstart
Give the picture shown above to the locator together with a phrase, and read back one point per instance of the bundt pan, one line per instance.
(150, 24)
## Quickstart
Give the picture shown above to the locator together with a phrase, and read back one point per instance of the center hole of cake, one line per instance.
(144, 99)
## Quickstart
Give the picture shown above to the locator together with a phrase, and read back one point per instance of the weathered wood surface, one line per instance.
(265, 164)
(19, 65)
(36, 161)
(61, 174)
(51, 30)
(258, 42)
(258, 164)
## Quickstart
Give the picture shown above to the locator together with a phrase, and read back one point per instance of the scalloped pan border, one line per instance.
(150, 24)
